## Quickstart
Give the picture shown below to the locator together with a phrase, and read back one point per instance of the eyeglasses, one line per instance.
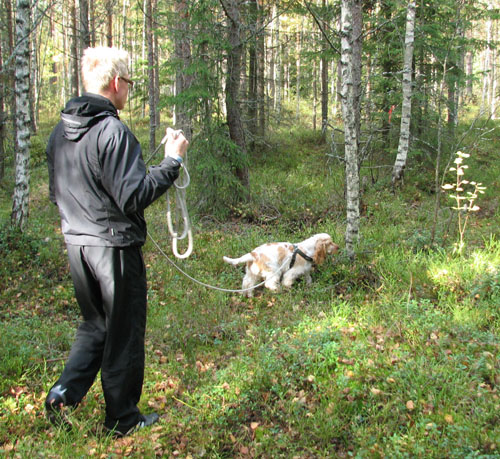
(130, 82)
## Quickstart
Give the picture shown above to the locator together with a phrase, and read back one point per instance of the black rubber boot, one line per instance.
(54, 406)
(145, 420)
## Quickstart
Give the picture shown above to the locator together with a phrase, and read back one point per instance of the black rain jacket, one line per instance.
(97, 176)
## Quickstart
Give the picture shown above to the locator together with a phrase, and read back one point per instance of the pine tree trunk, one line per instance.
(350, 90)
(74, 51)
(272, 59)
(404, 136)
(183, 81)
(84, 24)
(2, 116)
(315, 93)
(252, 74)
(92, 23)
(109, 23)
(123, 42)
(34, 70)
(143, 50)
(232, 9)
(156, 57)
(298, 64)
(279, 72)
(261, 80)
(19, 216)
(151, 75)
(324, 83)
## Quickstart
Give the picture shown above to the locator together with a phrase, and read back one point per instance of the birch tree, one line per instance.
(19, 216)
(404, 135)
(350, 94)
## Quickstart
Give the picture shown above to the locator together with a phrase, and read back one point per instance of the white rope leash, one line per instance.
(187, 231)
(203, 284)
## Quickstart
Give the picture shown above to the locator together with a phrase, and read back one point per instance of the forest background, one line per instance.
(373, 121)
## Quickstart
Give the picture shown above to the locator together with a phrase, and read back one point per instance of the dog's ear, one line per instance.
(320, 252)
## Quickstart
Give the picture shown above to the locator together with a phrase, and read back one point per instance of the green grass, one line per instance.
(395, 354)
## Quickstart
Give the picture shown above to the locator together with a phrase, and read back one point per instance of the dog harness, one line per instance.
(297, 251)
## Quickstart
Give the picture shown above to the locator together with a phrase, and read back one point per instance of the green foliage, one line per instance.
(215, 160)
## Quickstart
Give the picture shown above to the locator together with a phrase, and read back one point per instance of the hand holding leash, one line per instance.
(175, 144)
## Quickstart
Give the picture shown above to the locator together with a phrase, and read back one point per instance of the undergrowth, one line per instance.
(395, 354)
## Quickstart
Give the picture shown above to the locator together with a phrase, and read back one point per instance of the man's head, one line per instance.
(105, 72)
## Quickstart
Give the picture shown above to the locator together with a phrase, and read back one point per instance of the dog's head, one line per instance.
(324, 246)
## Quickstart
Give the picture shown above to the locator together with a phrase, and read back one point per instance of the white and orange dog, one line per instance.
(280, 263)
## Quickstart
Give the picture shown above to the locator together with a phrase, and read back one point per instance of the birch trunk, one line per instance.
(11, 77)
(350, 87)
(487, 63)
(404, 135)
(19, 216)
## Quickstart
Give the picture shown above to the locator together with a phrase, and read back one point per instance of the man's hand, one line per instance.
(176, 144)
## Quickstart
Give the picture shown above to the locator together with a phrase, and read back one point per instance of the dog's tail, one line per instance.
(237, 261)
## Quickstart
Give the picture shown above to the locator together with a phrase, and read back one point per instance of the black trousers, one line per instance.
(110, 287)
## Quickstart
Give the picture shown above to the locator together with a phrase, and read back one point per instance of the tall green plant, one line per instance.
(464, 203)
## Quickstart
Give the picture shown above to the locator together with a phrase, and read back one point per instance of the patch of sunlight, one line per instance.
(468, 315)
(481, 263)
(334, 319)
(451, 271)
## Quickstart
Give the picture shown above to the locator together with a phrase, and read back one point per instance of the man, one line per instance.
(99, 181)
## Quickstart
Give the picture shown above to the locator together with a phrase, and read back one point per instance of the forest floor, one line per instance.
(395, 354)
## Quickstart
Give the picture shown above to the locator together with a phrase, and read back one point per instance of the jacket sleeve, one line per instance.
(124, 174)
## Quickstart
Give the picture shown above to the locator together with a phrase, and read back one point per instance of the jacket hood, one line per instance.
(81, 113)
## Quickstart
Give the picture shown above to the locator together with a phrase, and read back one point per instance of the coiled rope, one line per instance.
(180, 198)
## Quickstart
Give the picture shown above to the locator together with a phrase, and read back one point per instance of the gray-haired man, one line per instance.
(100, 184)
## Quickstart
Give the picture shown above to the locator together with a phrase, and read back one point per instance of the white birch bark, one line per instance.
(487, 64)
(350, 66)
(19, 216)
(404, 135)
